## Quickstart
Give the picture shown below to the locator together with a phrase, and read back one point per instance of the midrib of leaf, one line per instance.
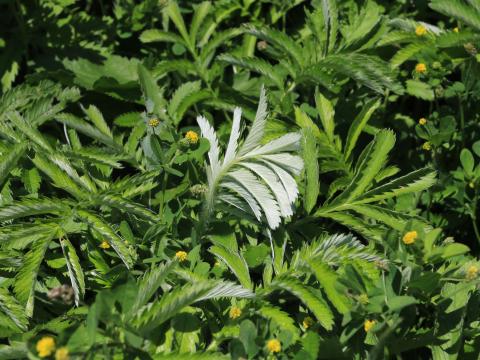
(213, 188)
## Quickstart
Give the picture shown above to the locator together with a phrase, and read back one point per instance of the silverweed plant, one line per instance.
(239, 179)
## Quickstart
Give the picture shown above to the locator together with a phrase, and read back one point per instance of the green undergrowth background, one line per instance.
(239, 179)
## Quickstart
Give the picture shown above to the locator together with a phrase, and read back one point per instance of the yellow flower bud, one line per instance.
(192, 137)
(410, 237)
(422, 121)
(472, 272)
(368, 325)
(363, 299)
(105, 245)
(420, 30)
(235, 312)
(45, 346)
(181, 256)
(274, 346)
(62, 354)
(420, 68)
(154, 122)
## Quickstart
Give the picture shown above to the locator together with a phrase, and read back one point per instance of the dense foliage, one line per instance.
(239, 179)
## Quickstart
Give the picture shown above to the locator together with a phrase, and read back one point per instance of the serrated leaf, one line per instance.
(312, 187)
(75, 271)
(155, 35)
(315, 304)
(374, 160)
(31, 179)
(9, 161)
(184, 91)
(127, 255)
(26, 277)
(153, 95)
(11, 308)
(358, 125)
(420, 90)
(235, 262)
(327, 114)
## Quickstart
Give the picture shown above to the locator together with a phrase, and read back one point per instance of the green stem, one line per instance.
(164, 185)
(462, 120)
(474, 213)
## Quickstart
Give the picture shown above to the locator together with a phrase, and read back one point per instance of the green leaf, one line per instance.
(361, 25)
(9, 161)
(407, 52)
(155, 35)
(371, 164)
(312, 187)
(151, 282)
(369, 71)
(181, 94)
(126, 206)
(99, 156)
(254, 64)
(420, 90)
(281, 319)
(219, 39)
(315, 303)
(256, 255)
(75, 271)
(280, 40)
(117, 76)
(311, 344)
(235, 262)
(154, 314)
(248, 334)
(18, 350)
(459, 10)
(466, 158)
(304, 121)
(173, 12)
(32, 180)
(327, 114)
(454, 249)
(328, 280)
(126, 254)
(89, 130)
(396, 220)
(476, 148)
(29, 131)
(369, 231)
(358, 125)
(60, 177)
(96, 117)
(397, 303)
(415, 181)
(15, 313)
(26, 277)
(330, 17)
(29, 207)
(208, 355)
(201, 12)
(154, 100)
(170, 304)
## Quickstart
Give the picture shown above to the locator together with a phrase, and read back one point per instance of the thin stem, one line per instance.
(474, 213)
(462, 120)
(164, 185)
